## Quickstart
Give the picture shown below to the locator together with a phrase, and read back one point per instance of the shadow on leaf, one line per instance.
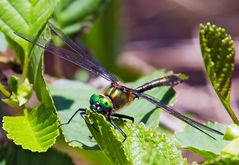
(62, 103)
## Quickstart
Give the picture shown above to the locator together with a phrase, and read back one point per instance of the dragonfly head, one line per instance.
(100, 103)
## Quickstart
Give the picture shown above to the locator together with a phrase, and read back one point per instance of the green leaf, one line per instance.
(223, 160)
(94, 157)
(70, 15)
(232, 132)
(12, 100)
(13, 154)
(28, 17)
(24, 16)
(37, 72)
(232, 148)
(142, 146)
(71, 95)
(200, 143)
(105, 37)
(218, 54)
(24, 91)
(36, 77)
(35, 130)
(3, 43)
(71, 12)
(21, 93)
(13, 83)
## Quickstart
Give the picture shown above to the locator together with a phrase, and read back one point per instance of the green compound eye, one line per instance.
(105, 103)
(94, 98)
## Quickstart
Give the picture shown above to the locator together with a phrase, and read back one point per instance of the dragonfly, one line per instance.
(116, 95)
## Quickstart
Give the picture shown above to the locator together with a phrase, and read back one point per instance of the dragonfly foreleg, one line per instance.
(82, 114)
(79, 110)
(118, 128)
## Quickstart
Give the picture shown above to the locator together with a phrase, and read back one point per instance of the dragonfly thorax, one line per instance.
(119, 96)
(100, 103)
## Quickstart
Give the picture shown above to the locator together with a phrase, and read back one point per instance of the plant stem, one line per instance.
(4, 91)
(229, 110)
(25, 66)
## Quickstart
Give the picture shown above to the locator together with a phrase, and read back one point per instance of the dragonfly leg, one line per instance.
(79, 110)
(82, 114)
(123, 116)
(118, 128)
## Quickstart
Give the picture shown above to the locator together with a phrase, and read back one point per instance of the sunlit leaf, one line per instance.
(232, 132)
(232, 148)
(222, 160)
(142, 146)
(24, 16)
(35, 130)
(29, 17)
(202, 144)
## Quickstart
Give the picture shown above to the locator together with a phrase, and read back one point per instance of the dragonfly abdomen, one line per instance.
(170, 80)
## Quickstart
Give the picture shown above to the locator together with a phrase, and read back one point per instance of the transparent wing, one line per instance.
(74, 57)
(78, 49)
(199, 126)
